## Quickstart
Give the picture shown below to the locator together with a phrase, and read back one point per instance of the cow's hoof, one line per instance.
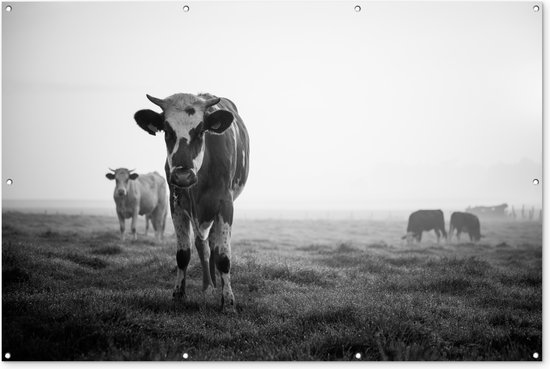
(228, 307)
(178, 295)
(209, 293)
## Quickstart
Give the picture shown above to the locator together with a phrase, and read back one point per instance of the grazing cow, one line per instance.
(464, 222)
(425, 220)
(207, 167)
(140, 195)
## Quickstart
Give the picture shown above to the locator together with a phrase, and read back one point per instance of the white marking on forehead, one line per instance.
(197, 162)
(181, 129)
(177, 117)
(171, 154)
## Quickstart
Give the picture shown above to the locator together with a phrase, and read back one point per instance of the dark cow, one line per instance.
(207, 167)
(464, 222)
(140, 195)
(425, 220)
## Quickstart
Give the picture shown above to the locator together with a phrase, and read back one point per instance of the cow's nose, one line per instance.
(121, 192)
(183, 177)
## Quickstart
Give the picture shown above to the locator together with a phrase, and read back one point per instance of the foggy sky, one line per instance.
(402, 104)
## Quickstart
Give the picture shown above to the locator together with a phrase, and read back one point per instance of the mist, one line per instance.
(375, 110)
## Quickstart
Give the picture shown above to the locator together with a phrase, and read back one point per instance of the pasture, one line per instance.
(304, 290)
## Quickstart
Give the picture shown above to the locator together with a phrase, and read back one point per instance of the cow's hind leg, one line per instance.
(212, 266)
(156, 221)
(221, 248)
(438, 235)
(147, 220)
(133, 225)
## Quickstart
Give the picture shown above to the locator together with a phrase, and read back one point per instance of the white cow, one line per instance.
(135, 195)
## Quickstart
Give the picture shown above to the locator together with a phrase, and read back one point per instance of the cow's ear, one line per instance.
(110, 176)
(218, 121)
(150, 121)
(134, 176)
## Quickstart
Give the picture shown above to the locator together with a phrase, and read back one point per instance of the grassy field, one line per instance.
(305, 290)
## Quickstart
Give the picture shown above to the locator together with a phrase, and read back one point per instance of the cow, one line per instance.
(207, 167)
(135, 195)
(464, 222)
(425, 220)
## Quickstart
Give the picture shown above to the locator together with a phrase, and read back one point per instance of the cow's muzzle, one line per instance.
(183, 177)
(121, 193)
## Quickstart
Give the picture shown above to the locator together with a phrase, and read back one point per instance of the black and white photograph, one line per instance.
(272, 181)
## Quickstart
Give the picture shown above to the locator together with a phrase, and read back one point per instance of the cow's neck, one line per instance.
(127, 201)
(188, 199)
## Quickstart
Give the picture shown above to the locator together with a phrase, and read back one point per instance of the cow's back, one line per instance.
(475, 228)
(460, 219)
(226, 155)
(152, 190)
(426, 220)
(457, 220)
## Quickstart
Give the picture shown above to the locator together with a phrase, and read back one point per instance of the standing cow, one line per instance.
(140, 195)
(425, 220)
(207, 167)
(464, 222)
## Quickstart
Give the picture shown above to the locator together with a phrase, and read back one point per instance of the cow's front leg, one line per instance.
(147, 221)
(221, 237)
(133, 225)
(182, 226)
(122, 224)
(203, 250)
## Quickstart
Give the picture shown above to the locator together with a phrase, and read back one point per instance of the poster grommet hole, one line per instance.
(536, 355)
(536, 8)
(358, 356)
(186, 8)
(357, 8)
(536, 181)
(9, 181)
(7, 355)
(9, 8)
(185, 356)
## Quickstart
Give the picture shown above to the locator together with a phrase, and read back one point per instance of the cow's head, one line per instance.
(410, 237)
(184, 119)
(123, 177)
